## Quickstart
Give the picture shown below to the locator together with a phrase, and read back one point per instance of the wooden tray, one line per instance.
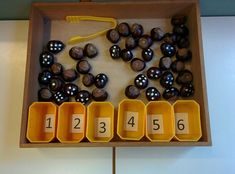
(47, 21)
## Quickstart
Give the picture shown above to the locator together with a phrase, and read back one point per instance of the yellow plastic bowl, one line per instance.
(131, 119)
(100, 122)
(160, 123)
(191, 109)
(71, 122)
(42, 117)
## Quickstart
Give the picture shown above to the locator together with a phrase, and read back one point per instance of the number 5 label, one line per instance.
(49, 126)
(103, 127)
(131, 121)
(77, 125)
(155, 124)
(181, 123)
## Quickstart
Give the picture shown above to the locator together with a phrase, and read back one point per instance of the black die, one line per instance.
(152, 94)
(187, 90)
(101, 80)
(46, 59)
(71, 89)
(141, 81)
(168, 50)
(154, 73)
(147, 54)
(60, 97)
(83, 96)
(167, 79)
(171, 93)
(44, 77)
(115, 51)
(55, 46)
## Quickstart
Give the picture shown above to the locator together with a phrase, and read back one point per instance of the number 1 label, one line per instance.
(77, 125)
(181, 123)
(49, 125)
(155, 124)
(103, 127)
(131, 121)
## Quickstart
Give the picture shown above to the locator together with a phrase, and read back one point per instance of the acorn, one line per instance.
(137, 64)
(132, 92)
(113, 36)
(123, 29)
(157, 34)
(145, 42)
(137, 30)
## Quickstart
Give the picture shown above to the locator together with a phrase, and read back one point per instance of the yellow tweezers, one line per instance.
(76, 19)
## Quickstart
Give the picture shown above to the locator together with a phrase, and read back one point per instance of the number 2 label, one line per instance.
(131, 121)
(181, 123)
(49, 123)
(77, 125)
(155, 124)
(103, 127)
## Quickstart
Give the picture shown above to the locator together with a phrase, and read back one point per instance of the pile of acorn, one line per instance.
(174, 48)
(58, 84)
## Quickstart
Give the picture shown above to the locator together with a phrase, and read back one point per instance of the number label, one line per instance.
(49, 125)
(103, 127)
(77, 125)
(131, 121)
(181, 123)
(155, 124)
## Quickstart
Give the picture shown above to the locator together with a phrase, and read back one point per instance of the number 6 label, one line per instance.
(77, 125)
(103, 127)
(181, 123)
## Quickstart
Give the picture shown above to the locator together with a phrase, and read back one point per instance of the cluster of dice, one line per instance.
(174, 48)
(58, 84)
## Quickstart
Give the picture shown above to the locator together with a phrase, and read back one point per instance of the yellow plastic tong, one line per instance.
(76, 19)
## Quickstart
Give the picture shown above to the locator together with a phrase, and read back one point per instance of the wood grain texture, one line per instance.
(116, 144)
(47, 22)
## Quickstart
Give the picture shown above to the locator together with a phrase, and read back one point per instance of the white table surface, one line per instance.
(219, 53)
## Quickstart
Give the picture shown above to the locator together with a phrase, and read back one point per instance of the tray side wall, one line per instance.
(39, 32)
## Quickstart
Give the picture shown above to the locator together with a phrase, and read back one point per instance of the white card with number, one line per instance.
(155, 124)
(131, 121)
(77, 123)
(181, 123)
(49, 124)
(103, 127)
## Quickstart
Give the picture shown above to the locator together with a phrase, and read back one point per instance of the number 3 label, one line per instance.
(181, 123)
(131, 121)
(103, 127)
(155, 124)
(77, 125)
(49, 123)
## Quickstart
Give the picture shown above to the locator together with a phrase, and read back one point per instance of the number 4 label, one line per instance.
(103, 127)
(155, 124)
(49, 123)
(181, 123)
(77, 125)
(131, 121)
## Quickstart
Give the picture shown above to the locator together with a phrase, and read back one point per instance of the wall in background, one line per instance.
(15, 9)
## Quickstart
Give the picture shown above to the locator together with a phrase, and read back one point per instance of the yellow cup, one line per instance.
(100, 122)
(160, 123)
(71, 122)
(42, 117)
(131, 119)
(187, 120)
